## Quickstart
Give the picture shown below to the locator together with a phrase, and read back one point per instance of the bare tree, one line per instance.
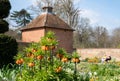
(100, 36)
(63, 8)
(84, 32)
(36, 8)
(116, 37)
(70, 13)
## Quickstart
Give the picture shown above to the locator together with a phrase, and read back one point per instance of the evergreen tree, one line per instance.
(8, 45)
(4, 8)
(3, 26)
(22, 17)
(4, 12)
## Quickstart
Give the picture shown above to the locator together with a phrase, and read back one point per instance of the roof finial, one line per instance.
(47, 9)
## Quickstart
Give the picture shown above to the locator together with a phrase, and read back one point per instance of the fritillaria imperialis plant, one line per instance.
(75, 58)
(43, 62)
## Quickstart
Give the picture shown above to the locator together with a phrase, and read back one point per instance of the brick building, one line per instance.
(48, 21)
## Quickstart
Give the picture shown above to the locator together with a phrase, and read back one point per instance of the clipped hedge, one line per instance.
(3, 26)
(8, 49)
(5, 7)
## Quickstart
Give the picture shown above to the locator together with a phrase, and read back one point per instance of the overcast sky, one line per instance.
(100, 12)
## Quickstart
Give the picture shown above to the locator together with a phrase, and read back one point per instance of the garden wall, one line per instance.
(22, 45)
(91, 53)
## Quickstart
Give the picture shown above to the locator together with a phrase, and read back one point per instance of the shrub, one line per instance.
(8, 49)
(3, 26)
(4, 8)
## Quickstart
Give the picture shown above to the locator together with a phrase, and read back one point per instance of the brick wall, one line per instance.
(33, 35)
(90, 53)
(22, 45)
(65, 38)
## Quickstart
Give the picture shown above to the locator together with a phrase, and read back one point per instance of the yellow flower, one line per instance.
(92, 79)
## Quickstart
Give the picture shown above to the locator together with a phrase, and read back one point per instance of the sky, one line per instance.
(104, 13)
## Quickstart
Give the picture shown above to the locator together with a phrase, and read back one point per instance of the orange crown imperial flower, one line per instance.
(59, 69)
(39, 57)
(31, 64)
(19, 61)
(64, 59)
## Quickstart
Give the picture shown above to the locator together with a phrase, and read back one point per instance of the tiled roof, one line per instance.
(49, 20)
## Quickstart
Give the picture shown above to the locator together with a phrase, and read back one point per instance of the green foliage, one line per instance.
(83, 77)
(61, 51)
(39, 64)
(75, 55)
(22, 17)
(104, 72)
(8, 49)
(4, 12)
(4, 8)
(50, 35)
(100, 72)
(94, 67)
(8, 45)
(49, 39)
(3, 26)
(7, 74)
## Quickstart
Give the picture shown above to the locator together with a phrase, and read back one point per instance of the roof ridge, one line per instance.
(45, 19)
